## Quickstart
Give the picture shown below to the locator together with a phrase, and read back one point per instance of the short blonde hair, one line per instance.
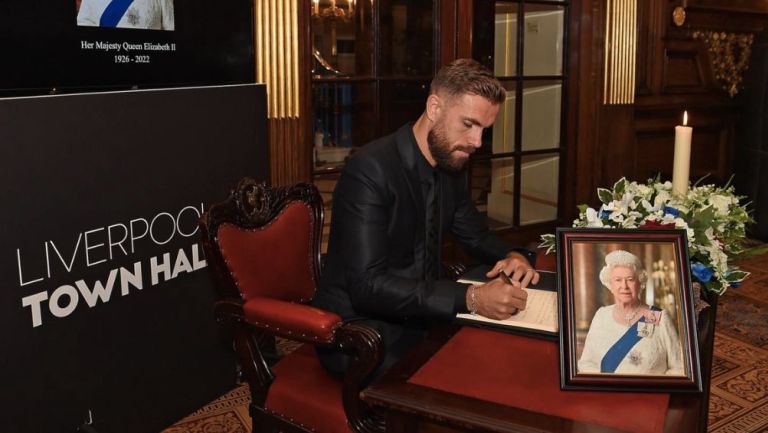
(621, 258)
(467, 76)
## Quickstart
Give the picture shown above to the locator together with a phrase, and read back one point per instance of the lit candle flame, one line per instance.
(685, 118)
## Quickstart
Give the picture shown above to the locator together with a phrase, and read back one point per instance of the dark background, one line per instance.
(751, 166)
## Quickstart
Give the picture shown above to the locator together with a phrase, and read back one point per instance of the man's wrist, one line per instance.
(472, 299)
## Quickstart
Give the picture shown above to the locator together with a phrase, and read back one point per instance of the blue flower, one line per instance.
(672, 211)
(605, 213)
(702, 273)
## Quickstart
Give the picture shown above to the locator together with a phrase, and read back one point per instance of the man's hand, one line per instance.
(497, 299)
(517, 267)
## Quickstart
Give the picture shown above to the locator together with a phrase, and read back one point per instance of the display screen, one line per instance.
(65, 46)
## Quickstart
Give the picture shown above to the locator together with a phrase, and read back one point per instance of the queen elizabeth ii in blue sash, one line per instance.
(139, 14)
(629, 336)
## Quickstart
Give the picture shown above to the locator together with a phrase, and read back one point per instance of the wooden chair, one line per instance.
(263, 250)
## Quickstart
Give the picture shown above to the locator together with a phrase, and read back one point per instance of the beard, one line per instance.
(445, 156)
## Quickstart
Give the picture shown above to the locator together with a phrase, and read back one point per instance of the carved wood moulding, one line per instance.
(729, 54)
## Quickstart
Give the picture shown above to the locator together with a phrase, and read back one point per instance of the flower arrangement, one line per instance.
(712, 217)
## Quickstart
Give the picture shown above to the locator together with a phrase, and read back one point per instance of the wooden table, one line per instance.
(410, 407)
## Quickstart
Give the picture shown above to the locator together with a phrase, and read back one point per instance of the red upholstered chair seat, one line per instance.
(262, 246)
(319, 403)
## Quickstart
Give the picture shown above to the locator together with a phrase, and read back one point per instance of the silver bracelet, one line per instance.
(472, 300)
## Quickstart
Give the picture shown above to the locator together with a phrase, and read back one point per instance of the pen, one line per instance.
(504, 277)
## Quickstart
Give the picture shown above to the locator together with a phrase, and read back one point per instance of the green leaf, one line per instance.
(583, 209)
(705, 217)
(620, 186)
(736, 275)
(605, 195)
(548, 242)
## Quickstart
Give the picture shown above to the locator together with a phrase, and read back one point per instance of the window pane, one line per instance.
(538, 188)
(503, 131)
(500, 198)
(402, 101)
(543, 39)
(505, 40)
(541, 115)
(343, 115)
(480, 182)
(406, 37)
(341, 41)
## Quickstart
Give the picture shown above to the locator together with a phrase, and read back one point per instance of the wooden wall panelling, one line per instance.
(712, 153)
(751, 158)
(585, 69)
(680, 77)
(685, 68)
(447, 21)
(673, 74)
(646, 47)
(464, 30)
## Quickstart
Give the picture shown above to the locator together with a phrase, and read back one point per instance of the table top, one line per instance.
(408, 389)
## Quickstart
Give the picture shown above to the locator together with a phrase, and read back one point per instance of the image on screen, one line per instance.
(129, 14)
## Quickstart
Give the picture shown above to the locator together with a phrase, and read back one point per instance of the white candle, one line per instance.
(682, 164)
(316, 7)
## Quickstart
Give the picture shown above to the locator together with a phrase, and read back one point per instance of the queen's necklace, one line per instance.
(628, 317)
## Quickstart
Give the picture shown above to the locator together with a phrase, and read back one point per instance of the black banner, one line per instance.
(105, 299)
(60, 46)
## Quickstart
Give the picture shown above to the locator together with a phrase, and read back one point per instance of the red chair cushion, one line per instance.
(304, 392)
(275, 260)
(291, 320)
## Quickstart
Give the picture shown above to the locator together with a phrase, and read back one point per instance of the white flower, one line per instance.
(721, 203)
(640, 203)
(661, 199)
(679, 223)
(648, 206)
(643, 190)
(593, 219)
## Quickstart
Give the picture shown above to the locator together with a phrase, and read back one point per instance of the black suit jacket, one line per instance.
(371, 269)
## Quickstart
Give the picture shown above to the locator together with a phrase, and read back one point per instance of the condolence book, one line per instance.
(540, 314)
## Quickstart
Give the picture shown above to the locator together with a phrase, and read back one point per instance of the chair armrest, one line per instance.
(366, 350)
(290, 320)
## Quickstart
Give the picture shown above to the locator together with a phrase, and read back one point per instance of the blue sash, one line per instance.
(620, 348)
(114, 11)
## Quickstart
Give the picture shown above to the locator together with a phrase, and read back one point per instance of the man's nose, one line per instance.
(476, 137)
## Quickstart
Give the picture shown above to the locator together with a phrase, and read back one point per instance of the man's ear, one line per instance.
(434, 107)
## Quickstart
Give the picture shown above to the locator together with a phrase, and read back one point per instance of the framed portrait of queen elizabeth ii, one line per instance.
(626, 312)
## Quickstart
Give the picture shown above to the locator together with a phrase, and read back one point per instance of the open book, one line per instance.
(540, 314)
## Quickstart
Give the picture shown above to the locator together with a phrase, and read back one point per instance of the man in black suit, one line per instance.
(395, 199)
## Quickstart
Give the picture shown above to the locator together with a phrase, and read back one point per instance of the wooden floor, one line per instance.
(739, 390)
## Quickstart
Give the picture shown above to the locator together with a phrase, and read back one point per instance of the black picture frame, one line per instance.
(649, 312)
